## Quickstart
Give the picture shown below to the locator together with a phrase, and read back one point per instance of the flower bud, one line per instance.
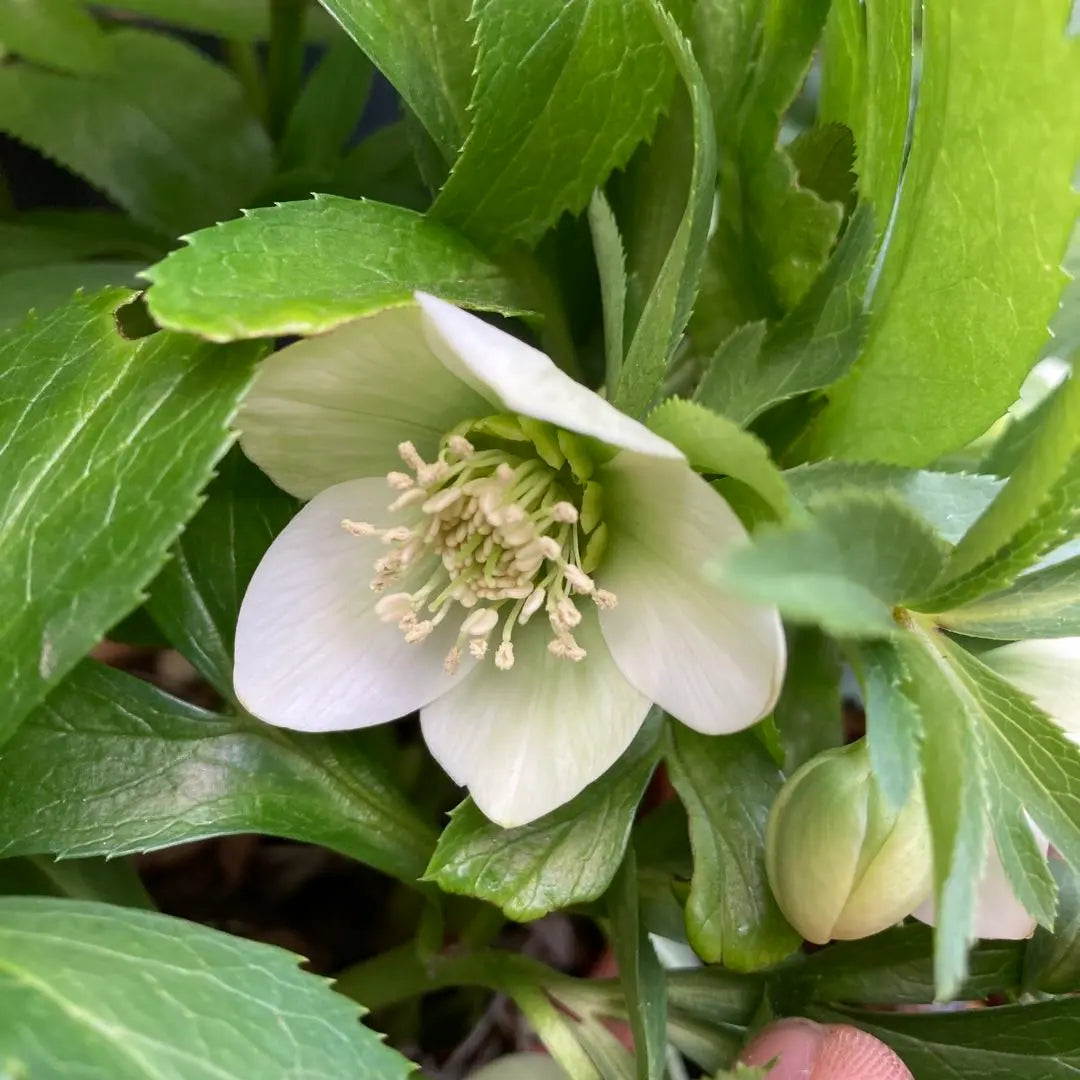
(843, 862)
(521, 1067)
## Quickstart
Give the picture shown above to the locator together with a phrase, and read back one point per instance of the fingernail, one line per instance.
(796, 1043)
(804, 1050)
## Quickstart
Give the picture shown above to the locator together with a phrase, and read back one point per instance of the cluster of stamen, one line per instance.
(499, 537)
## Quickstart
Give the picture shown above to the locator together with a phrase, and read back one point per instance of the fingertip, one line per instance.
(794, 1044)
(804, 1050)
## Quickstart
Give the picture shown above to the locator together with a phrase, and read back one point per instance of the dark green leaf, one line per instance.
(566, 857)
(106, 444)
(564, 92)
(1052, 958)
(306, 267)
(196, 598)
(728, 785)
(237, 20)
(58, 236)
(108, 993)
(971, 275)
(125, 129)
(611, 266)
(1015, 1042)
(808, 714)
(112, 881)
(110, 765)
(58, 33)
(640, 973)
(43, 288)
(427, 52)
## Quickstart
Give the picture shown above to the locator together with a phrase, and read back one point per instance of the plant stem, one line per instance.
(285, 61)
(242, 59)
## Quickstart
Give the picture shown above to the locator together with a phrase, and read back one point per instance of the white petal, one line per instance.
(527, 740)
(713, 661)
(523, 380)
(1048, 671)
(310, 652)
(998, 914)
(334, 407)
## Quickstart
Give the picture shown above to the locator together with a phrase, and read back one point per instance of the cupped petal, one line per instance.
(335, 407)
(712, 660)
(311, 654)
(521, 379)
(1048, 671)
(527, 740)
(999, 915)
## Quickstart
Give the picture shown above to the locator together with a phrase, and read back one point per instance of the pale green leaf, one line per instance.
(714, 444)
(972, 273)
(306, 267)
(1022, 856)
(126, 128)
(107, 993)
(426, 51)
(1042, 604)
(564, 92)
(568, 856)
(110, 765)
(105, 446)
(611, 267)
(728, 785)
(60, 34)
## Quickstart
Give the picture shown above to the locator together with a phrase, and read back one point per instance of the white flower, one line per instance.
(1048, 671)
(536, 582)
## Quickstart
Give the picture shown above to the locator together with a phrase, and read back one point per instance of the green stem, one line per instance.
(539, 286)
(285, 61)
(241, 57)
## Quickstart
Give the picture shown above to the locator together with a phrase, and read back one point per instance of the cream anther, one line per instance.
(419, 631)
(358, 528)
(532, 604)
(407, 498)
(460, 447)
(579, 580)
(435, 473)
(566, 648)
(397, 534)
(395, 607)
(504, 656)
(478, 648)
(565, 512)
(565, 614)
(452, 661)
(549, 547)
(480, 623)
(399, 481)
(605, 599)
(443, 500)
(409, 454)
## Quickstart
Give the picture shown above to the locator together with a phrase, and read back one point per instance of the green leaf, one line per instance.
(728, 785)
(845, 570)
(106, 444)
(41, 237)
(113, 881)
(809, 349)
(891, 968)
(564, 92)
(744, 1072)
(951, 502)
(426, 51)
(113, 994)
(714, 444)
(1043, 604)
(611, 266)
(43, 288)
(1015, 1042)
(125, 128)
(566, 857)
(640, 973)
(1052, 957)
(306, 267)
(237, 20)
(667, 309)
(893, 722)
(971, 276)
(196, 598)
(808, 716)
(58, 33)
(110, 765)
(1036, 510)
(1021, 854)
(867, 86)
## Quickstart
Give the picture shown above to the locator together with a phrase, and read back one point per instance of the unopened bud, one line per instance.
(842, 862)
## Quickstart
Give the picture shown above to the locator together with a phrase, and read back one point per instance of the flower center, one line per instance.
(510, 522)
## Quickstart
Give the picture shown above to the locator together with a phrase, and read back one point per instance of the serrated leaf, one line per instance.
(58, 33)
(611, 268)
(113, 881)
(566, 857)
(728, 785)
(111, 765)
(809, 349)
(986, 212)
(124, 127)
(43, 288)
(106, 444)
(427, 53)
(1022, 856)
(640, 973)
(714, 444)
(808, 714)
(196, 598)
(1036, 510)
(306, 267)
(564, 91)
(846, 569)
(113, 994)
(665, 311)
(1036, 1041)
(1042, 604)
(1052, 957)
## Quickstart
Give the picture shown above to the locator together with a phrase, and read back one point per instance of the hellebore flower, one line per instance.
(535, 583)
(1048, 671)
(842, 862)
